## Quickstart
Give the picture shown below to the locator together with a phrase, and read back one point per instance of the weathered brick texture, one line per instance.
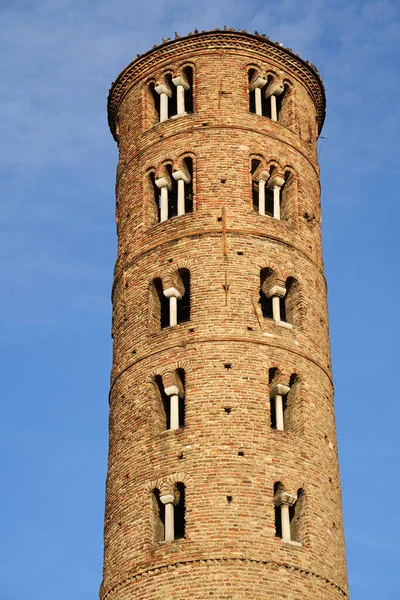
(227, 448)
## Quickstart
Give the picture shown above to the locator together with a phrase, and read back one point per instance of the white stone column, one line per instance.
(173, 295)
(173, 394)
(277, 392)
(169, 528)
(261, 192)
(276, 292)
(285, 500)
(165, 93)
(276, 183)
(257, 86)
(285, 522)
(272, 91)
(163, 185)
(182, 84)
(181, 177)
(274, 113)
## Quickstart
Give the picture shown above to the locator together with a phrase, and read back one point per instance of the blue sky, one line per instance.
(57, 248)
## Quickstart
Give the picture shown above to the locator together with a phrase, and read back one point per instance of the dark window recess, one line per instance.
(165, 402)
(159, 516)
(266, 303)
(181, 375)
(255, 163)
(282, 305)
(189, 186)
(266, 306)
(156, 98)
(157, 196)
(265, 103)
(163, 303)
(172, 101)
(278, 522)
(179, 511)
(269, 201)
(273, 410)
(172, 195)
(279, 101)
(188, 72)
(252, 96)
(184, 303)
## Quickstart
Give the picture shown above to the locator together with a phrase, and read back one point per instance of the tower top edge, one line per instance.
(224, 38)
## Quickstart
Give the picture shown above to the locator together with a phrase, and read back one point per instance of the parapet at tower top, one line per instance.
(309, 71)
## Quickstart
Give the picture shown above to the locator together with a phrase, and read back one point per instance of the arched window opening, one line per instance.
(158, 516)
(296, 515)
(174, 403)
(283, 502)
(156, 99)
(188, 73)
(188, 162)
(269, 202)
(285, 193)
(172, 102)
(275, 185)
(278, 394)
(291, 405)
(291, 300)
(183, 308)
(265, 301)
(183, 188)
(282, 306)
(252, 99)
(179, 510)
(266, 102)
(172, 194)
(255, 164)
(156, 193)
(159, 305)
(257, 85)
(278, 488)
(164, 404)
(272, 93)
(182, 408)
(281, 101)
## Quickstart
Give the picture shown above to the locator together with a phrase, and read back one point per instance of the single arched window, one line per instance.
(297, 511)
(158, 305)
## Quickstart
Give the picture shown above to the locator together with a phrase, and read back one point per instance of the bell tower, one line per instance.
(223, 474)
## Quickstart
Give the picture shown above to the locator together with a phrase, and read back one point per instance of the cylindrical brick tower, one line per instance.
(223, 473)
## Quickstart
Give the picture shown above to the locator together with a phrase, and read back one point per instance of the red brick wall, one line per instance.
(230, 549)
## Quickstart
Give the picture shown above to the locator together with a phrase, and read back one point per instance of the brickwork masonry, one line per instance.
(220, 261)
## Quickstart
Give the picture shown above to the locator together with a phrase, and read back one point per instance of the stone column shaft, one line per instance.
(274, 114)
(261, 194)
(285, 522)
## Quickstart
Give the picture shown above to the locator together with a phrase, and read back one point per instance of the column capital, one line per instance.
(275, 290)
(264, 176)
(172, 390)
(276, 180)
(172, 293)
(181, 174)
(167, 498)
(257, 82)
(284, 498)
(162, 182)
(279, 390)
(274, 89)
(162, 88)
(181, 80)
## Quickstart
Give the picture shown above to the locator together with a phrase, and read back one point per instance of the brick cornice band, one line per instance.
(212, 41)
(156, 570)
